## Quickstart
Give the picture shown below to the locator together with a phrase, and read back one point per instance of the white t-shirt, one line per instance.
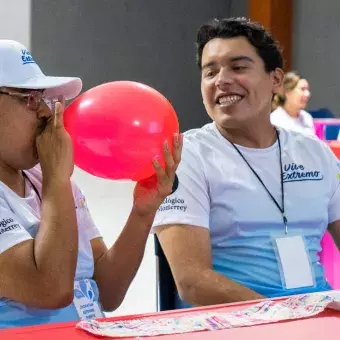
(19, 221)
(218, 191)
(303, 123)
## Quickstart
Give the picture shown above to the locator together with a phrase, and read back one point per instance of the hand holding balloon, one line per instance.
(151, 192)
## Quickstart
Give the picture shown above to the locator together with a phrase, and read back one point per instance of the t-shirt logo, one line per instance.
(338, 174)
(8, 224)
(80, 201)
(26, 57)
(297, 173)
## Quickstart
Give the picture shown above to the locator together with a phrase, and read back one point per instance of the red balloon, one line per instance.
(117, 129)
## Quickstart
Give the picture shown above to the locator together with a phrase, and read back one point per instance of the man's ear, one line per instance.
(277, 80)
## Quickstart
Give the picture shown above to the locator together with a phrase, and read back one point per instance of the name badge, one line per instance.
(86, 301)
(294, 261)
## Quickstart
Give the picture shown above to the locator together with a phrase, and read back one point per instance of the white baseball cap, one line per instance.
(19, 70)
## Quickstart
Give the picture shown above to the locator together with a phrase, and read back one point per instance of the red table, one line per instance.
(326, 325)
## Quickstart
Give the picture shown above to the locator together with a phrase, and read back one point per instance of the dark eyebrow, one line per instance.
(241, 58)
(232, 59)
(207, 65)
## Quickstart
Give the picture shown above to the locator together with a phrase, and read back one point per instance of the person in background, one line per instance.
(54, 264)
(290, 105)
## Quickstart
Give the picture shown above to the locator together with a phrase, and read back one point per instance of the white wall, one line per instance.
(15, 20)
(110, 203)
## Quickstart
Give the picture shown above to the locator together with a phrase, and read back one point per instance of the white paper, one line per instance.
(335, 294)
(264, 312)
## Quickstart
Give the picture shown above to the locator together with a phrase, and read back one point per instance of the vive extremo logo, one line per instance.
(297, 173)
(26, 57)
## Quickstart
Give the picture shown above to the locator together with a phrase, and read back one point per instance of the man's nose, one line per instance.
(224, 77)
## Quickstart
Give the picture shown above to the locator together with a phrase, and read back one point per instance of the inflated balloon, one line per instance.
(117, 129)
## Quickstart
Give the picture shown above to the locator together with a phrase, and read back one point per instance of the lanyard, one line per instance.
(33, 186)
(282, 210)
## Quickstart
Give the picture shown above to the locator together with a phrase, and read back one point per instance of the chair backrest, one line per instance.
(322, 113)
(332, 132)
(166, 288)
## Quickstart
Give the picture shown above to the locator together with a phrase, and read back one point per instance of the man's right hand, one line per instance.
(54, 147)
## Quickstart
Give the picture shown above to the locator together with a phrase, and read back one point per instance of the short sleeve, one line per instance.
(11, 230)
(334, 202)
(84, 218)
(189, 202)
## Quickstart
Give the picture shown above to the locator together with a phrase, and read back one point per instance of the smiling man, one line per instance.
(252, 202)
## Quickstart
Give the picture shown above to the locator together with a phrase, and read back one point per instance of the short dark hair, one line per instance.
(266, 46)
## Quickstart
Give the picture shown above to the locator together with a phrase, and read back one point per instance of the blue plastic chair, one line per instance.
(332, 132)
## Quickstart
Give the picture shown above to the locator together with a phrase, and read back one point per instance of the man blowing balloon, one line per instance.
(54, 264)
